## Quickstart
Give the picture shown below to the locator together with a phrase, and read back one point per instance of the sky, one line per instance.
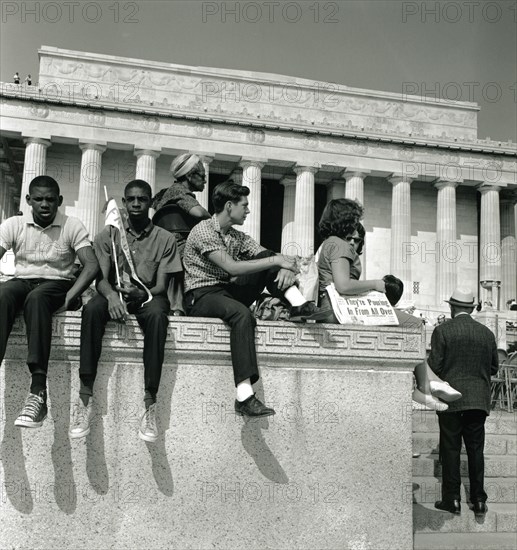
(458, 50)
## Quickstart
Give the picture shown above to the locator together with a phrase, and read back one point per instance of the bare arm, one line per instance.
(222, 259)
(348, 286)
(199, 212)
(90, 268)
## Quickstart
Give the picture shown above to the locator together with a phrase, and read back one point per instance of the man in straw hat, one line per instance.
(463, 353)
(178, 211)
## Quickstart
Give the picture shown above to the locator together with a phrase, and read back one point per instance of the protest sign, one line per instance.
(370, 308)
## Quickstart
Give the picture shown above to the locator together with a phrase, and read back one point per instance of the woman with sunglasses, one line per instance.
(339, 263)
(339, 255)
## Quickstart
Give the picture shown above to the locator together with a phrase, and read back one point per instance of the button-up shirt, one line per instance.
(206, 237)
(44, 252)
(153, 251)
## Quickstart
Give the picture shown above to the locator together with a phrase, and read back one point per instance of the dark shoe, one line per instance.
(34, 411)
(252, 407)
(300, 313)
(453, 506)
(322, 316)
(479, 508)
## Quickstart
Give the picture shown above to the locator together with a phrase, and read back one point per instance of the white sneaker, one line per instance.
(83, 414)
(443, 390)
(429, 401)
(148, 429)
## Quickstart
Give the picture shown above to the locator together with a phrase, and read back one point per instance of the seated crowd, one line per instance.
(187, 262)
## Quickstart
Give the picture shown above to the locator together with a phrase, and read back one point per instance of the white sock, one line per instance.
(244, 390)
(294, 296)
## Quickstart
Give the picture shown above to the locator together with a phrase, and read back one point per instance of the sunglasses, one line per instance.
(201, 175)
(356, 240)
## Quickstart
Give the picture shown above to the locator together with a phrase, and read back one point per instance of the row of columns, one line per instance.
(497, 234)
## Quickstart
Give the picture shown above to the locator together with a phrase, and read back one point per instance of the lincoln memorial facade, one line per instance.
(440, 204)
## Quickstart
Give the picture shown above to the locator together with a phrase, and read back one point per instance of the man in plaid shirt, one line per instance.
(225, 272)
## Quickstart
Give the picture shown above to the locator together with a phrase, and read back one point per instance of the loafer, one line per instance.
(479, 508)
(453, 506)
(321, 316)
(444, 391)
(299, 314)
(252, 407)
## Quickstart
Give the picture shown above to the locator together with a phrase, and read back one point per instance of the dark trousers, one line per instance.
(153, 320)
(39, 299)
(231, 304)
(469, 425)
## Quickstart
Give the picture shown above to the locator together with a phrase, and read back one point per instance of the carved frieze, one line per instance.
(39, 110)
(237, 93)
(203, 129)
(255, 135)
(280, 342)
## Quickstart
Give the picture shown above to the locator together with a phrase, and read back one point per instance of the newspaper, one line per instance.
(370, 308)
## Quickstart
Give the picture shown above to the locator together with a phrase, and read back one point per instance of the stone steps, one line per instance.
(464, 541)
(437, 530)
(427, 490)
(495, 444)
(499, 422)
(495, 466)
(500, 518)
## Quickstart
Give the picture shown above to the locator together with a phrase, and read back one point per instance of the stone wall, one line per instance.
(330, 470)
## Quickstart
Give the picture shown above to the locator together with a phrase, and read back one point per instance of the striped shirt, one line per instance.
(206, 237)
(44, 252)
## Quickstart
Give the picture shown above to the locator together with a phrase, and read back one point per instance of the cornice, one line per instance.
(459, 145)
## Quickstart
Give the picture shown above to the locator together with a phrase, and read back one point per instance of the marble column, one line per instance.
(355, 184)
(252, 178)
(90, 194)
(508, 251)
(447, 248)
(401, 246)
(146, 166)
(336, 189)
(35, 164)
(203, 197)
(304, 209)
(490, 242)
(289, 183)
(4, 199)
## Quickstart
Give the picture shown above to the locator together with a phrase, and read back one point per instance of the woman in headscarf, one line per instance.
(178, 211)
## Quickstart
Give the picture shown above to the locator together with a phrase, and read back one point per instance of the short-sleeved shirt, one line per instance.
(153, 252)
(206, 238)
(332, 250)
(44, 252)
(178, 194)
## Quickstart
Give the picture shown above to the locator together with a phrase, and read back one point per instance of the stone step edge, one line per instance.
(464, 541)
(431, 485)
(500, 518)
